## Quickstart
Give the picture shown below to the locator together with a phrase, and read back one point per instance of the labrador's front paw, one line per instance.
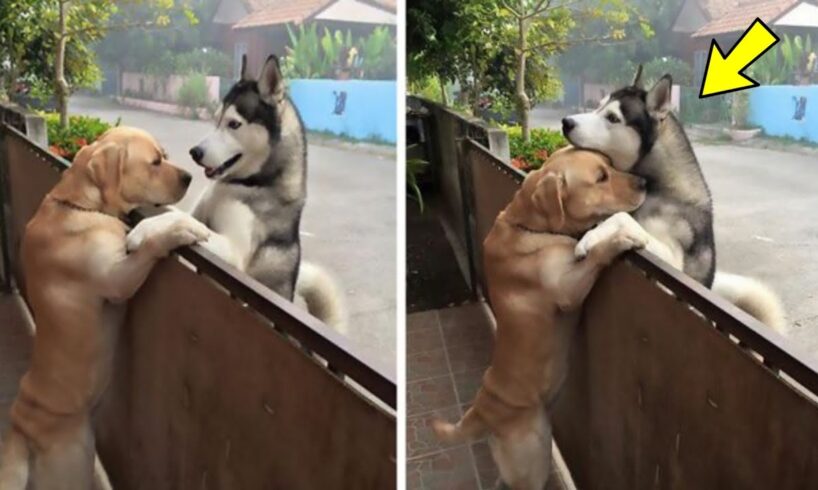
(166, 232)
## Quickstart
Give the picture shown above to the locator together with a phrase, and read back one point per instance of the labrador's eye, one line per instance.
(233, 124)
(157, 162)
(612, 118)
(603, 177)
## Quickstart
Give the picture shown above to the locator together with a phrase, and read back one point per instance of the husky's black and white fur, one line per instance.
(256, 160)
(640, 134)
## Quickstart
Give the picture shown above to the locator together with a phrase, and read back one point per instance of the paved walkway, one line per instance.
(349, 223)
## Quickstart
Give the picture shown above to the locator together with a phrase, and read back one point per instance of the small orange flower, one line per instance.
(542, 154)
(82, 141)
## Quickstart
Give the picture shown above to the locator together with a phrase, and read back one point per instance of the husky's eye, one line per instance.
(233, 124)
(611, 117)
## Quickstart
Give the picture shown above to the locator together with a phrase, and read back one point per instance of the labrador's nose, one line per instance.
(567, 125)
(196, 153)
(185, 178)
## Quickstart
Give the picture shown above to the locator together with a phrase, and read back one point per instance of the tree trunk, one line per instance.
(61, 84)
(443, 95)
(523, 103)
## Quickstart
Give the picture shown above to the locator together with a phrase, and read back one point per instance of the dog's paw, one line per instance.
(621, 230)
(166, 232)
(592, 239)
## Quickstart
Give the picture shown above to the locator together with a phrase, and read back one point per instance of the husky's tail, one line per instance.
(322, 295)
(753, 297)
(14, 461)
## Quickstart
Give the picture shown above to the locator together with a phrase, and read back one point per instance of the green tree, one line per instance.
(470, 42)
(17, 32)
(452, 41)
(544, 28)
(49, 40)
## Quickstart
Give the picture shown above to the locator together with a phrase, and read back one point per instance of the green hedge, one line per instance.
(694, 110)
(82, 130)
(531, 155)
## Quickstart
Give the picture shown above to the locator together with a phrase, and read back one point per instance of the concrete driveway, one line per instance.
(765, 205)
(349, 223)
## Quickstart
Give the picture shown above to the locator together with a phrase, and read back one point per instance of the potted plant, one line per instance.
(740, 127)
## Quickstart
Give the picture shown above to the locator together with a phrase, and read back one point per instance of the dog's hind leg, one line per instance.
(14, 461)
(67, 463)
(524, 455)
(470, 427)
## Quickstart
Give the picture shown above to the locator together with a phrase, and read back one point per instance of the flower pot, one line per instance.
(743, 134)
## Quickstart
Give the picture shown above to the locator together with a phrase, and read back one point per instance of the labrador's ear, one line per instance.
(105, 168)
(270, 81)
(658, 99)
(548, 199)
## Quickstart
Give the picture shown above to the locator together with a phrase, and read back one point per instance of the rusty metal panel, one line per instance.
(493, 185)
(657, 397)
(207, 395)
(30, 178)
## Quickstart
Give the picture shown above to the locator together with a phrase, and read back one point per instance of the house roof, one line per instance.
(734, 16)
(275, 12)
(272, 12)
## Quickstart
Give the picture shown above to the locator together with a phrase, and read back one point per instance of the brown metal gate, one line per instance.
(670, 386)
(219, 382)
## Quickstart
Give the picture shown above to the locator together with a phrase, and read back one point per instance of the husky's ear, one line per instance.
(547, 199)
(270, 81)
(637, 79)
(658, 99)
(244, 76)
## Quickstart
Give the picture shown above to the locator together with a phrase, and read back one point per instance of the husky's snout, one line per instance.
(568, 124)
(197, 153)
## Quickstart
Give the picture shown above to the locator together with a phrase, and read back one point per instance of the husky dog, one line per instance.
(257, 162)
(640, 134)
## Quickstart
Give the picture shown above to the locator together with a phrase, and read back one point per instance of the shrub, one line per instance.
(210, 62)
(531, 155)
(207, 61)
(694, 110)
(193, 93)
(81, 131)
(333, 55)
(680, 70)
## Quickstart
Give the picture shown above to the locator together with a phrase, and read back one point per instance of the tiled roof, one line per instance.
(273, 12)
(714, 9)
(739, 16)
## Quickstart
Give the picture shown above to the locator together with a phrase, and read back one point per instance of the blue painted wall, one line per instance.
(775, 108)
(359, 109)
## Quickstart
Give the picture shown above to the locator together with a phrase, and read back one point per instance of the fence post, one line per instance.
(498, 144)
(5, 213)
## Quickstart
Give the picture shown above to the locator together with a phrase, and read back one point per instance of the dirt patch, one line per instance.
(433, 278)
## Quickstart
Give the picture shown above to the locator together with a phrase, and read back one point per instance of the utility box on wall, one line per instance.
(786, 111)
(357, 109)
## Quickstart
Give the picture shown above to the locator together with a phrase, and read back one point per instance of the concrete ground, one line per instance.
(349, 223)
(765, 203)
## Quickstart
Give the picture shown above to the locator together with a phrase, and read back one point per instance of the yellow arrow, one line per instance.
(723, 73)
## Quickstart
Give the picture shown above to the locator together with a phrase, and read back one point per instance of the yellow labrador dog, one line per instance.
(537, 288)
(76, 268)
